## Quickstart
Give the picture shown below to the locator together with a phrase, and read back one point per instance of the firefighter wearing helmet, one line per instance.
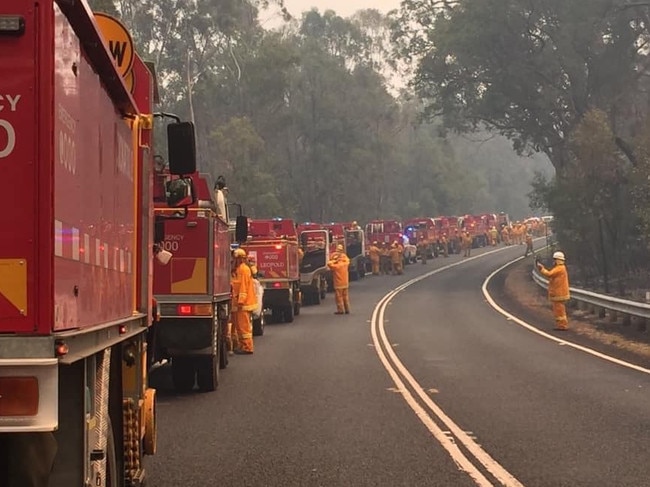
(244, 302)
(558, 289)
(374, 253)
(397, 264)
(338, 264)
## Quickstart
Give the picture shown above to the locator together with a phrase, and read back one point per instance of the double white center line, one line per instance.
(427, 411)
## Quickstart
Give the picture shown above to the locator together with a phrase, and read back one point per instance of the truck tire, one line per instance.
(258, 325)
(223, 352)
(277, 314)
(112, 476)
(288, 314)
(316, 297)
(183, 374)
(207, 372)
(354, 275)
(296, 308)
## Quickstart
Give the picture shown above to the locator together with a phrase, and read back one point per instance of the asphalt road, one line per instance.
(424, 386)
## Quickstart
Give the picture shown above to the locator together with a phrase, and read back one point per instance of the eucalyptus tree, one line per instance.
(528, 69)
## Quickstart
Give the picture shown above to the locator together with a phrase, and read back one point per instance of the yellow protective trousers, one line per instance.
(242, 330)
(559, 312)
(342, 297)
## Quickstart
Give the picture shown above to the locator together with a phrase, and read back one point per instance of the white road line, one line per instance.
(464, 464)
(560, 341)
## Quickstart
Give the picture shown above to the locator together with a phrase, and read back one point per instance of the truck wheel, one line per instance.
(276, 315)
(317, 296)
(361, 271)
(296, 308)
(223, 352)
(288, 314)
(258, 325)
(112, 477)
(183, 374)
(207, 372)
(354, 276)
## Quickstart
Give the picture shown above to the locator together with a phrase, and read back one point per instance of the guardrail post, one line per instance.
(602, 312)
(613, 315)
(641, 324)
(627, 320)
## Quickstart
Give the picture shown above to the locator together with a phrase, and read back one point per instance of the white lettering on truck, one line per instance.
(10, 103)
(172, 242)
(124, 158)
(67, 144)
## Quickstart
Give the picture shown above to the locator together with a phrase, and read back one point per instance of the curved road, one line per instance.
(423, 384)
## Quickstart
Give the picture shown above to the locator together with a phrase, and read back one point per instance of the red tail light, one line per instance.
(184, 309)
(199, 309)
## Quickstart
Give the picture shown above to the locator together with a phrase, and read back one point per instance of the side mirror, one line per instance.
(180, 192)
(159, 230)
(241, 229)
(181, 148)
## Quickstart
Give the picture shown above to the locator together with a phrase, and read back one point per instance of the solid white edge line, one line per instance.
(532, 328)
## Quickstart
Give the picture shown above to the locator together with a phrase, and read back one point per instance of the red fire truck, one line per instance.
(193, 291)
(388, 232)
(75, 268)
(273, 246)
(315, 242)
(417, 229)
(477, 227)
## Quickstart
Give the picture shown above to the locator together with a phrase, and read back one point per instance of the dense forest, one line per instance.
(439, 107)
(305, 121)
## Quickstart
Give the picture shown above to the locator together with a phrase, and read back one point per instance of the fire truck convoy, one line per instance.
(273, 246)
(75, 269)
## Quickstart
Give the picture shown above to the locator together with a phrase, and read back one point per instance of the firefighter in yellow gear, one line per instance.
(338, 264)
(494, 236)
(445, 245)
(558, 289)
(374, 254)
(466, 244)
(423, 249)
(384, 258)
(396, 259)
(529, 245)
(244, 302)
(505, 235)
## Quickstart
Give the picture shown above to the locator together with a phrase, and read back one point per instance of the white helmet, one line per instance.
(559, 256)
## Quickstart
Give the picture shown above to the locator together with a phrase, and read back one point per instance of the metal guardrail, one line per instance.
(610, 303)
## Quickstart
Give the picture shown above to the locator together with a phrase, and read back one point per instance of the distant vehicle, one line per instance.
(273, 246)
(315, 241)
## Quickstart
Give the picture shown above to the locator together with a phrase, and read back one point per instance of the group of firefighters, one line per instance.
(385, 259)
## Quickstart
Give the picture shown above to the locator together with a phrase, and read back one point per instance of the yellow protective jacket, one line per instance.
(373, 251)
(339, 263)
(558, 282)
(243, 289)
(395, 255)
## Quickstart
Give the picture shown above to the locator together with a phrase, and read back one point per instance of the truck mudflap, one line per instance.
(29, 389)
